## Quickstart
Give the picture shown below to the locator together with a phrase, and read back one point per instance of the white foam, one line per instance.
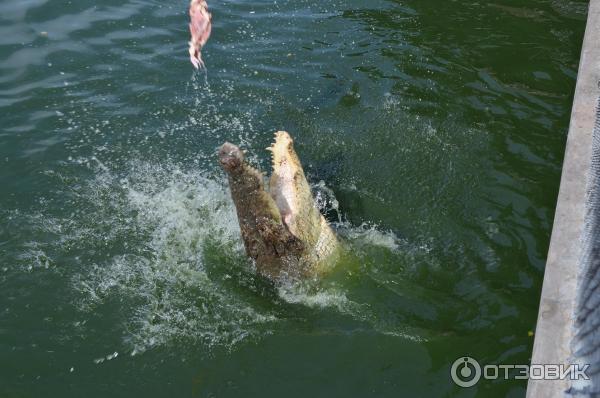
(328, 297)
(178, 215)
(370, 235)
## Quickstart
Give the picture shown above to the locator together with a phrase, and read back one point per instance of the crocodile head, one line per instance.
(282, 229)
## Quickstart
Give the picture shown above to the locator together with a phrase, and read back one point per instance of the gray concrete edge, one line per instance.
(555, 319)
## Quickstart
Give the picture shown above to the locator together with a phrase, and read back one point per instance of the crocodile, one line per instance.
(281, 226)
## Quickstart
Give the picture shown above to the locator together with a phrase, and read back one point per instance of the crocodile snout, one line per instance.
(231, 157)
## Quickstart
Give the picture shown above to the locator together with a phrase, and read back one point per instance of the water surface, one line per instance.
(432, 131)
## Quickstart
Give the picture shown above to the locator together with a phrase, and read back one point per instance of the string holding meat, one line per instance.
(200, 27)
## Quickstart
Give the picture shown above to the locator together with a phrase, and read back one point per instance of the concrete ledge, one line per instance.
(555, 320)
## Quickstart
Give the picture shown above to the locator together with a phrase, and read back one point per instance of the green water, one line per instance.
(433, 132)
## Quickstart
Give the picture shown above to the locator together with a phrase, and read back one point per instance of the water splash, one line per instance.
(160, 245)
(175, 217)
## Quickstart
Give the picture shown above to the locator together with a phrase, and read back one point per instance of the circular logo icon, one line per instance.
(465, 372)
